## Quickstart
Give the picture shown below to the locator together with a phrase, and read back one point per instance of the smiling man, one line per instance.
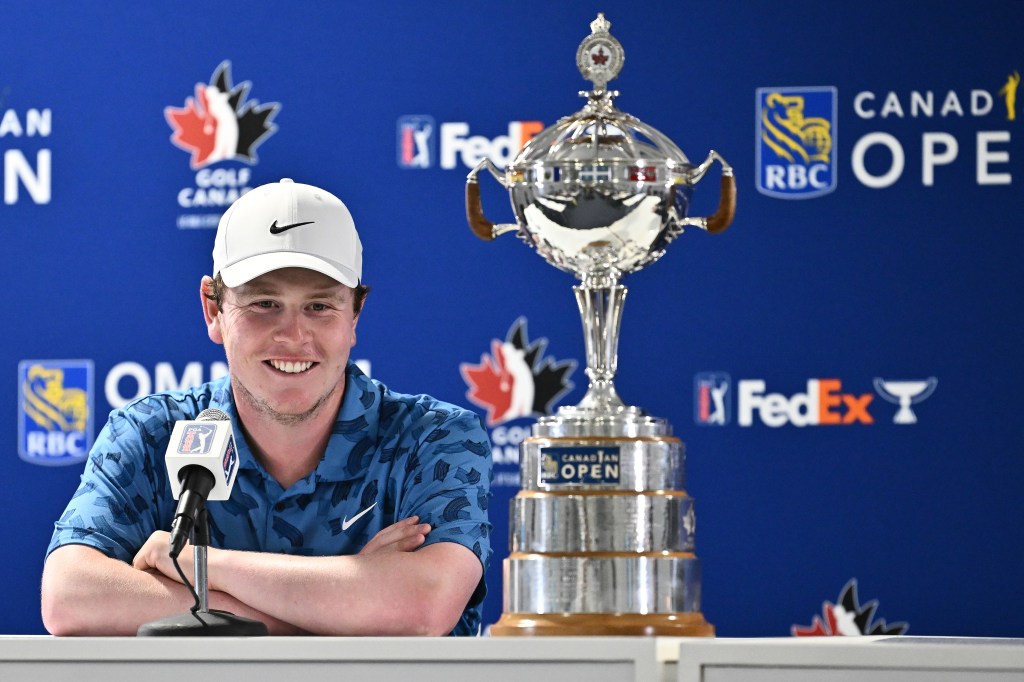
(356, 510)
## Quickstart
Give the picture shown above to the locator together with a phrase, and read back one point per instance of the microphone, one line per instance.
(201, 465)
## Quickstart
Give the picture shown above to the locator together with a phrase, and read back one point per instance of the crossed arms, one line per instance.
(389, 588)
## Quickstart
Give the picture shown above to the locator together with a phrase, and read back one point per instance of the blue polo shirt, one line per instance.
(390, 456)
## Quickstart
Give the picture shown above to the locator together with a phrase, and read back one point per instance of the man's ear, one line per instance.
(210, 311)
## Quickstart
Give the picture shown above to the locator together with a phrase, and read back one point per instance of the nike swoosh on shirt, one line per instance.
(347, 522)
(278, 229)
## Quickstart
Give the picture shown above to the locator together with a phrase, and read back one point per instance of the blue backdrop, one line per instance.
(885, 247)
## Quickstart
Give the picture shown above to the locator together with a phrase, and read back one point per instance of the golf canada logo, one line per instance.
(848, 618)
(823, 402)
(220, 128)
(516, 381)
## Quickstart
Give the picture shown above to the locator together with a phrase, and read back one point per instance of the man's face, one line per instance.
(287, 336)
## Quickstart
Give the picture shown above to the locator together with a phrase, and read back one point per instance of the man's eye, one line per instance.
(319, 307)
(264, 304)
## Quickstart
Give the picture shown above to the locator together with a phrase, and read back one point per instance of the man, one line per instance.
(355, 511)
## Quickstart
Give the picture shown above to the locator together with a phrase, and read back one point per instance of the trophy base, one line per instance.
(602, 625)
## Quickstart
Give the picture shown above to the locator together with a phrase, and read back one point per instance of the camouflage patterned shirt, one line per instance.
(390, 456)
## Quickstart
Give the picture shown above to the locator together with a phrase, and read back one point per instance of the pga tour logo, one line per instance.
(710, 406)
(823, 402)
(796, 142)
(416, 146)
(197, 439)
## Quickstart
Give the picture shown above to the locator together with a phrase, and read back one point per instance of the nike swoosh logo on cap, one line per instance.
(347, 522)
(278, 229)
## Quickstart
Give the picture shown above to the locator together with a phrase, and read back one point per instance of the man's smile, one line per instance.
(290, 367)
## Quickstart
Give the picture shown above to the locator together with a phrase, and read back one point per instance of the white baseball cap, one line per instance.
(287, 225)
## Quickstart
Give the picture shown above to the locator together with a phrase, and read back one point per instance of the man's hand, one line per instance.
(153, 557)
(404, 536)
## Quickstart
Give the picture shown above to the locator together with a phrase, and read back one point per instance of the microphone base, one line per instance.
(203, 624)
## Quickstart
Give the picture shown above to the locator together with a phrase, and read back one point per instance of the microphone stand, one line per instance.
(201, 621)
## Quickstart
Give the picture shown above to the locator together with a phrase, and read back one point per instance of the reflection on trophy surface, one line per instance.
(602, 532)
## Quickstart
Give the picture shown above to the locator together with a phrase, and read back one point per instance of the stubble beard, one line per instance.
(263, 408)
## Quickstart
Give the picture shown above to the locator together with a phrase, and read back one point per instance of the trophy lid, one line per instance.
(600, 134)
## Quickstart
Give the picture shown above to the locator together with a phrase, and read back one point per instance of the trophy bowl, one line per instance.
(600, 193)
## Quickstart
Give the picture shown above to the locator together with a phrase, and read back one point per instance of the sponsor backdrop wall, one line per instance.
(874, 260)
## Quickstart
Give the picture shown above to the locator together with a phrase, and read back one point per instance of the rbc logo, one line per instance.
(710, 407)
(55, 409)
(796, 134)
(416, 141)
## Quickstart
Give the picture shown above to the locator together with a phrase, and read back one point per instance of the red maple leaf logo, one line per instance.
(195, 129)
(599, 57)
(219, 123)
(517, 380)
(819, 628)
(848, 617)
(490, 383)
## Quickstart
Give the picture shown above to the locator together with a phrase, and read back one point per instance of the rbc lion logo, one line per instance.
(55, 411)
(796, 135)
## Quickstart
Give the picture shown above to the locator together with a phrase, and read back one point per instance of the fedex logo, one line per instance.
(418, 137)
(823, 404)
(472, 149)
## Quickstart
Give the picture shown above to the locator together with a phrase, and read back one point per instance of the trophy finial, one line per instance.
(600, 56)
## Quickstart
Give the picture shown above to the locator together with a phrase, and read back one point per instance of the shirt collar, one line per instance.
(352, 439)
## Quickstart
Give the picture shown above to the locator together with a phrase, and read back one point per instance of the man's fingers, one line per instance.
(404, 536)
(411, 542)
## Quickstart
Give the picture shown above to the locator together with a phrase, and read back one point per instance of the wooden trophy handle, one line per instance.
(481, 226)
(722, 218)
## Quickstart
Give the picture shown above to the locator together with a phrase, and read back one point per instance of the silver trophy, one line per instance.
(602, 532)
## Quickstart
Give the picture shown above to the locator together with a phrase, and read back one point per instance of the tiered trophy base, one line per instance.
(602, 625)
(602, 533)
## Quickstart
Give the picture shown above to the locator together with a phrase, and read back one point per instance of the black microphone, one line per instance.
(201, 464)
(196, 484)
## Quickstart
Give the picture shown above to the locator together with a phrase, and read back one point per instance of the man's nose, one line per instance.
(293, 327)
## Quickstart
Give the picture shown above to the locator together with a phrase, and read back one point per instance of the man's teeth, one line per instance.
(291, 367)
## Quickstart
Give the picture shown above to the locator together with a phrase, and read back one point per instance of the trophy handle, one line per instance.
(721, 218)
(478, 222)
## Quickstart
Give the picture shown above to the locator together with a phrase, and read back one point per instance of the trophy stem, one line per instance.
(600, 305)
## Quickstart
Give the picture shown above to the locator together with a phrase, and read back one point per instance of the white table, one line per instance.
(851, 659)
(333, 659)
(541, 659)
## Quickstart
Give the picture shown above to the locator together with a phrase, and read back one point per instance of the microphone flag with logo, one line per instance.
(201, 465)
